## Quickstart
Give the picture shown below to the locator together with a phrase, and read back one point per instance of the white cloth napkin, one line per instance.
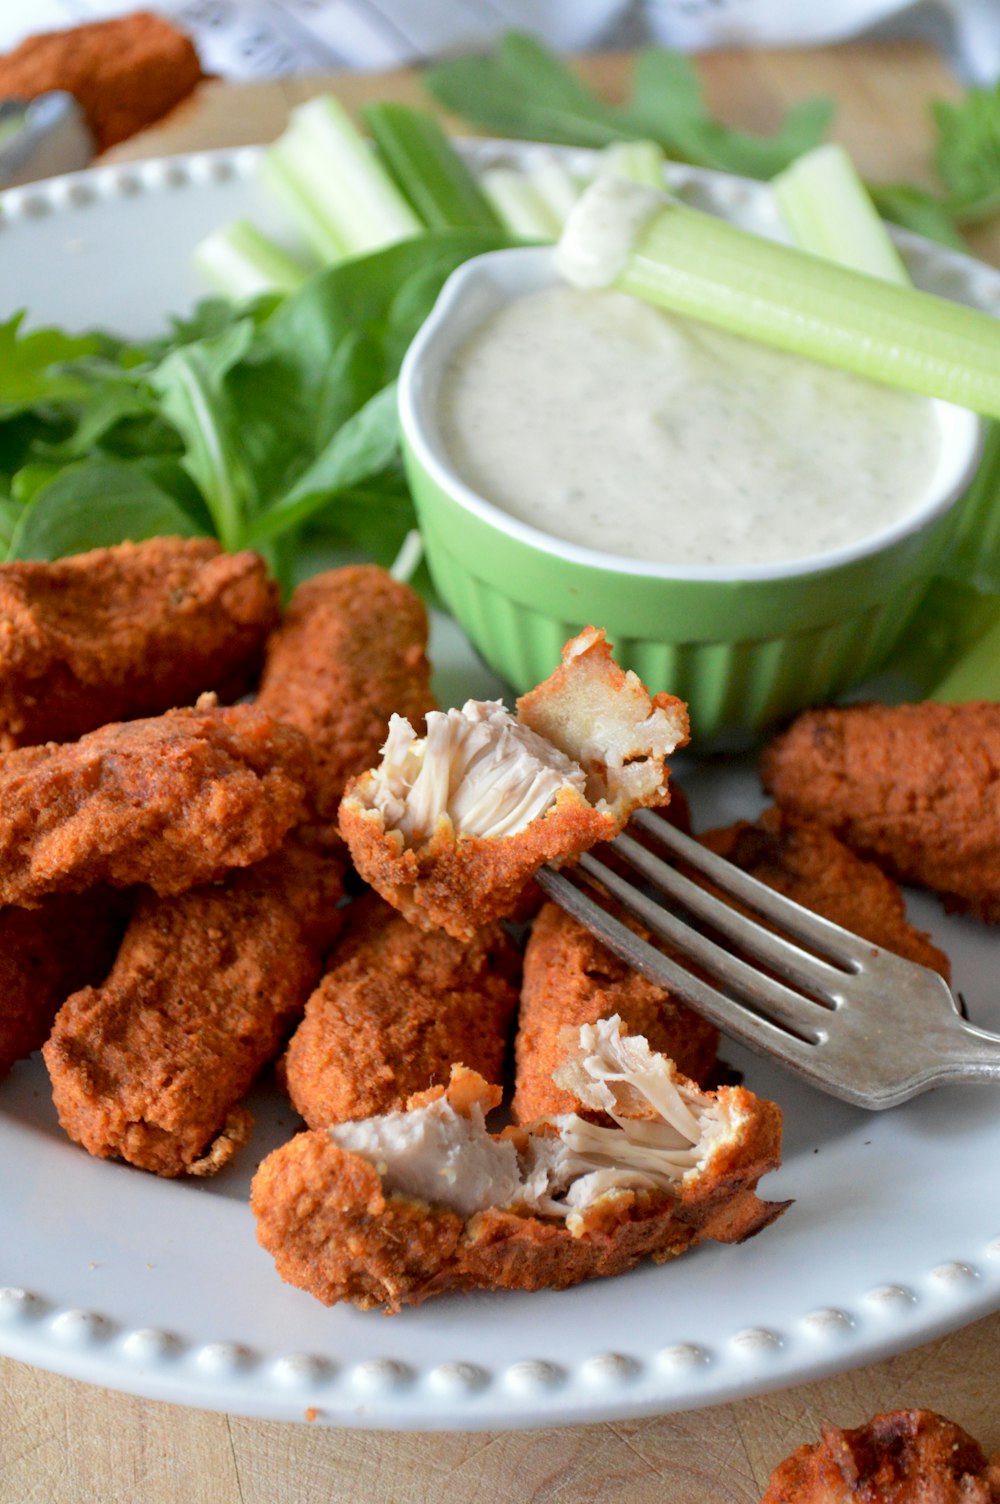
(268, 38)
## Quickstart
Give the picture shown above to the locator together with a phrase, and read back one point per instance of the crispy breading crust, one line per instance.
(806, 862)
(172, 802)
(459, 883)
(570, 979)
(915, 788)
(395, 1012)
(124, 632)
(322, 1215)
(46, 953)
(150, 1066)
(906, 1456)
(350, 652)
(459, 886)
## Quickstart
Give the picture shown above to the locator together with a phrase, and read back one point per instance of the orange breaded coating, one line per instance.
(807, 863)
(152, 1066)
(125, 632)
(126, 72)
(397, 1010)
(451, 828)
(394, 1209)
(570, 979)
(350, 652)
(172, 802)
(915, 788)
(903, 1457)
(46, 953)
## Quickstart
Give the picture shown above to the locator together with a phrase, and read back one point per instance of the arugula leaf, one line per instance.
(668, 106)
(917, 209)
(191, 383)
(522, 89)
(967, 155)
(95, 504)
(30, 366)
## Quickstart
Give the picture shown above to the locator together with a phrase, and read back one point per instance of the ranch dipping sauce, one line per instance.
(611, 424)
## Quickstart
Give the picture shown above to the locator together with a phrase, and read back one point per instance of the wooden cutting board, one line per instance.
(63, 1442)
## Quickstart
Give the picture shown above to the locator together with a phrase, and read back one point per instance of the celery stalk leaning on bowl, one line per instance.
(624, 235)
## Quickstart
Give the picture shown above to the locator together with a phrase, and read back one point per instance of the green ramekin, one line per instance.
(743, 652)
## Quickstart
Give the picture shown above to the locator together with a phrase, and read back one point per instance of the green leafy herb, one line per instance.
(523, 90)
(251, 424)
(967, 156)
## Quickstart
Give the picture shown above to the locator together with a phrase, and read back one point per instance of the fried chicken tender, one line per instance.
(172, 802)
(916, 788)
(903, 1457)
(126, 72)
(152, 1066)
(125, 632)
(46, 953)
(451, 828)
(397, 1010)
(570, 979)
(350, 651)
(394, 1209)
(807, 863)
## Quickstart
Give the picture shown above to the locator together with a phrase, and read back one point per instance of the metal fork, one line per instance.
(856, 1021)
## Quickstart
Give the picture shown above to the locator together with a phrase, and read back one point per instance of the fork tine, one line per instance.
(795, 965)
(810, 928)
(757, 1033)
(758, 992)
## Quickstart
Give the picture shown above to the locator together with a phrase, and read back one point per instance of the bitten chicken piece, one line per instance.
(397, 1010)
(394, 1209)
(124, 632)
(151, 1067)
(903, 1457)
(46, 953)
(171, 802)
(570, 979)
(350, 651)
(451, 827)
(807, 863)
(916, 788)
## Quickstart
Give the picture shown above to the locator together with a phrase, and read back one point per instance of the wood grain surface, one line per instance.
(63, 1442)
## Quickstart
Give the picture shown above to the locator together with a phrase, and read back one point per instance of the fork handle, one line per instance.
(969, 1054)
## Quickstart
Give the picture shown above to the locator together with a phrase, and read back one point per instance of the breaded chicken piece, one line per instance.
(451, 828)
(394, 1209)
(126, 72)
(172, 802)
(152, 1066)
(903, 1457)
(915, 788)
(350, 652)
(125, 632)
(570, 979)
(807, 863)
(397, 1010)
(46, 953)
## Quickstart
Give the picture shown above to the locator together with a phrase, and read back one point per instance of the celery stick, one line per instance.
(827, 210)
(554, 184)
(331, 165)
(242, 263)
(518, 205)
(976, 675)
(692, 263)
(280, 182)
(637, 161)
(427, 168)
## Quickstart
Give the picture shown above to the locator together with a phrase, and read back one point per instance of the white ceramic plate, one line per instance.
(158, 1287)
